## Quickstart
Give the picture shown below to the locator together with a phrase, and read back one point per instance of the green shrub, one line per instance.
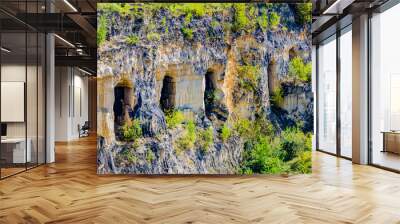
(150, 156)
(277, 97)
(130, 156)
(153, 36)
(188, 18)
(262, 21)
(133, 131)
(262, 158)
(174, 118)
(101, 30)
(304, 12)
(293, 142)
(248, 76)
(132, 39)
(241, 21)
(274, 19)
(302, 163)
(189, 138)
(206, 138)
(187, 33)
(225, 133)
(298, 69)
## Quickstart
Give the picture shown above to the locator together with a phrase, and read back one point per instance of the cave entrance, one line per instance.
(273, 81)
(292, 53)
(167, 98)
(209, 93)
(122, 99)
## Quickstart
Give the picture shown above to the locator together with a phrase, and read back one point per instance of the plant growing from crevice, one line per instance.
(101, 30)
(225, 133)
(132, 39)
(206, 138)
(299, 70)
(188, 139)
(132, 131)
(277, 97)
(173, 118)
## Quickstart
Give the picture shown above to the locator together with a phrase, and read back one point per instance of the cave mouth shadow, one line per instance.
(168, 91)
(209, 93)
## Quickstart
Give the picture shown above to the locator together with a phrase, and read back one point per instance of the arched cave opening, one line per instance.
(292, 53)
(273, 81)
(209, 93)
(168, 90)
(122, 98)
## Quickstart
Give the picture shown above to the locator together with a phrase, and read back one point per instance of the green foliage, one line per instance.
(302, 163)
(274, 19)
(206, 138)
(248, 76)
(225, 133)
(133, 131)
(266, 152)
(262, 21)
(188, 18)
(214, 24)
(304, 12)
(173, 118)
(241, 21)
(187, 33)
(150, 156)
(293, 142)
(298, 69)
(262, 158)
(164, 24)
(189, 138)
(153, 36)
(132, 39)
(277, 97)
(101, 30)
(130, 156)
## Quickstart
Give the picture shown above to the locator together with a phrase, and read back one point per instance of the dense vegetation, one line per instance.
(246, 18)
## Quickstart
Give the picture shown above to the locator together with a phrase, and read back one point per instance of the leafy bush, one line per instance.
(132, 39)
(274, 19)
(304, 12)
(241, 21)
(188, 18)
(262, 158)
(262, 21)
(302, 163)
(293, 142)
(225, 133)
(187, 33)
(189, 138)
(153, 36)
(130, 156)
(132, 131)
(206, 138)
(174, 118)
(101, 30)
(266, 152)
(298, 69)
(277, 97)
(248, 75)
(150, 156)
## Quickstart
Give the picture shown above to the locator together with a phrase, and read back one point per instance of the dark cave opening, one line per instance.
(167, 98)
(209, 93)
(122, 96)
(273, 81)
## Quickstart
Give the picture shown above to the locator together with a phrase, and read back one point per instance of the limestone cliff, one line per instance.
(158, 60)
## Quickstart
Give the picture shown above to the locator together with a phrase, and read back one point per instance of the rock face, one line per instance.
(199, 76)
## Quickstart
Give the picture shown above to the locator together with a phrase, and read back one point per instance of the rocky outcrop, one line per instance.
(202, 72)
